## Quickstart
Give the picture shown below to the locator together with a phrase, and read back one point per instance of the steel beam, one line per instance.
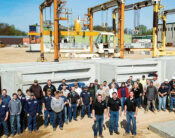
(135, 6)
(46, 3)
(169, 12)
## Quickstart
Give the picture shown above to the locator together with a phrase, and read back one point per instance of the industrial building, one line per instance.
(170, 34)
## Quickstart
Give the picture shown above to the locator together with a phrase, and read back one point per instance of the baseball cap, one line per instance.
(166, 80)
(35, 81)
(173, 78)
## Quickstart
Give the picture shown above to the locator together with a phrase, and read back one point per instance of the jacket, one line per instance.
(15, 107)
(32, 107)
(120, 95)
(37, 90)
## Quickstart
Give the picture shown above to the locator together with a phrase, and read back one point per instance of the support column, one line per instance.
(56, 37)
(155, 30)
(114, 28)
(164, 33)
(122, 6)
(91, 30)
(41, 30)
(119, 24)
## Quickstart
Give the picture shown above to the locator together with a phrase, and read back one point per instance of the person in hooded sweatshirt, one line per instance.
(15, 109)
(57, 105)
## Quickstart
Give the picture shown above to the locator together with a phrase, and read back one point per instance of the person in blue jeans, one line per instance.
(73, 101)
(98, 110)
(172, 100)
(32, 110)
(131, 109)
(22, 99)
(57, 105)
(47, 108)
(114, 110)
(137, 93)
(162, 92)
(3, 117)
(15, 109)
(86, 101)
(123, 94)
(65, 106)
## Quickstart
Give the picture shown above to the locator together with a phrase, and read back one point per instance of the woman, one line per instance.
(92, 91)
(123, 94)
(137, 93)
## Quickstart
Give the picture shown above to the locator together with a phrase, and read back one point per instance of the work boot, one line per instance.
(101, 136)
(61, 128)
(111, 133)
(117, 133)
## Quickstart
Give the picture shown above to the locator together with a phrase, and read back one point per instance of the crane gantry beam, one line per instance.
(169, 12)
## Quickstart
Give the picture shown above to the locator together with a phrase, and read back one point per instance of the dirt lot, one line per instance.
(83, 128)
(19, 55)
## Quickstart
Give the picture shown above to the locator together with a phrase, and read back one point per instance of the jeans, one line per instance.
(57, 116)
(149, 104)
(12, 123)
(129, 117)
(123, 99)
(32, 121)
(162, 101)
(172, 103)
(4, 124)
(114, 117)
(22, 118)
(65, 113)
(138, 101)
(98, 123)
(46, 113)
(74, 107)
(88, 110)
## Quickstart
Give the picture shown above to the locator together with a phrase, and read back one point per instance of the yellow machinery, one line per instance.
(1, 44)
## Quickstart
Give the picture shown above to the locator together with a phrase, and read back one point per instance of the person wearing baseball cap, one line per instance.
(32, 110)
(86, 101)
(162, 92)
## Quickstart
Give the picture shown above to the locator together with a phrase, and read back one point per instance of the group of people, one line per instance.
(61, 105)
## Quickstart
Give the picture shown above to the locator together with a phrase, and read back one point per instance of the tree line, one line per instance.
(6, 29)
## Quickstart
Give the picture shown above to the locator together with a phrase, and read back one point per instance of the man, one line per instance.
(41, 58)
(162, 92)
(168, 88)
(37, 91)
(172, 100)
(86, 101)
(98, 109)
(156, 82)
(113, 89)
(65, 91)
(49, 86)
(96, 86)
(143, 80)
(115, 83)
(47, 108)
(63, 84)
(172, 82)
(73, 101)
(57, 105)
(5, 98)
(151, 96)
(22, 99)
(130, 112)
(131, 80)
(129, 86)
(114, 110)
(15, 109)
(141, 91)
(106, 89)
(101, 92)
(28, 94)
(77, 89)
(32, 111)
(3, 117)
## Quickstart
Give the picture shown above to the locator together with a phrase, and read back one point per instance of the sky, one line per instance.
(23, 13)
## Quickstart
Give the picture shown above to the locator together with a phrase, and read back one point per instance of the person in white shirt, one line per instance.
(113, 89)
(77, 89)
(106, 88)
(101, 92)
(65, 91)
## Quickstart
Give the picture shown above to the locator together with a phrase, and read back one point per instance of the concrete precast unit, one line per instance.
(22, 76)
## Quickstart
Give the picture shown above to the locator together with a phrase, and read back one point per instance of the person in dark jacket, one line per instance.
(63, 84)
(49, 86)
(123, 94)
(5, 98)
(151, 94)
(96, 86)
(32, 110)
(162, 92)
(22, 99)
(47, 108)
(37, 91)
(116, 84)
(141, 91)
(91, 89)
(131, 80)
(137, 94)
(4, 117)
